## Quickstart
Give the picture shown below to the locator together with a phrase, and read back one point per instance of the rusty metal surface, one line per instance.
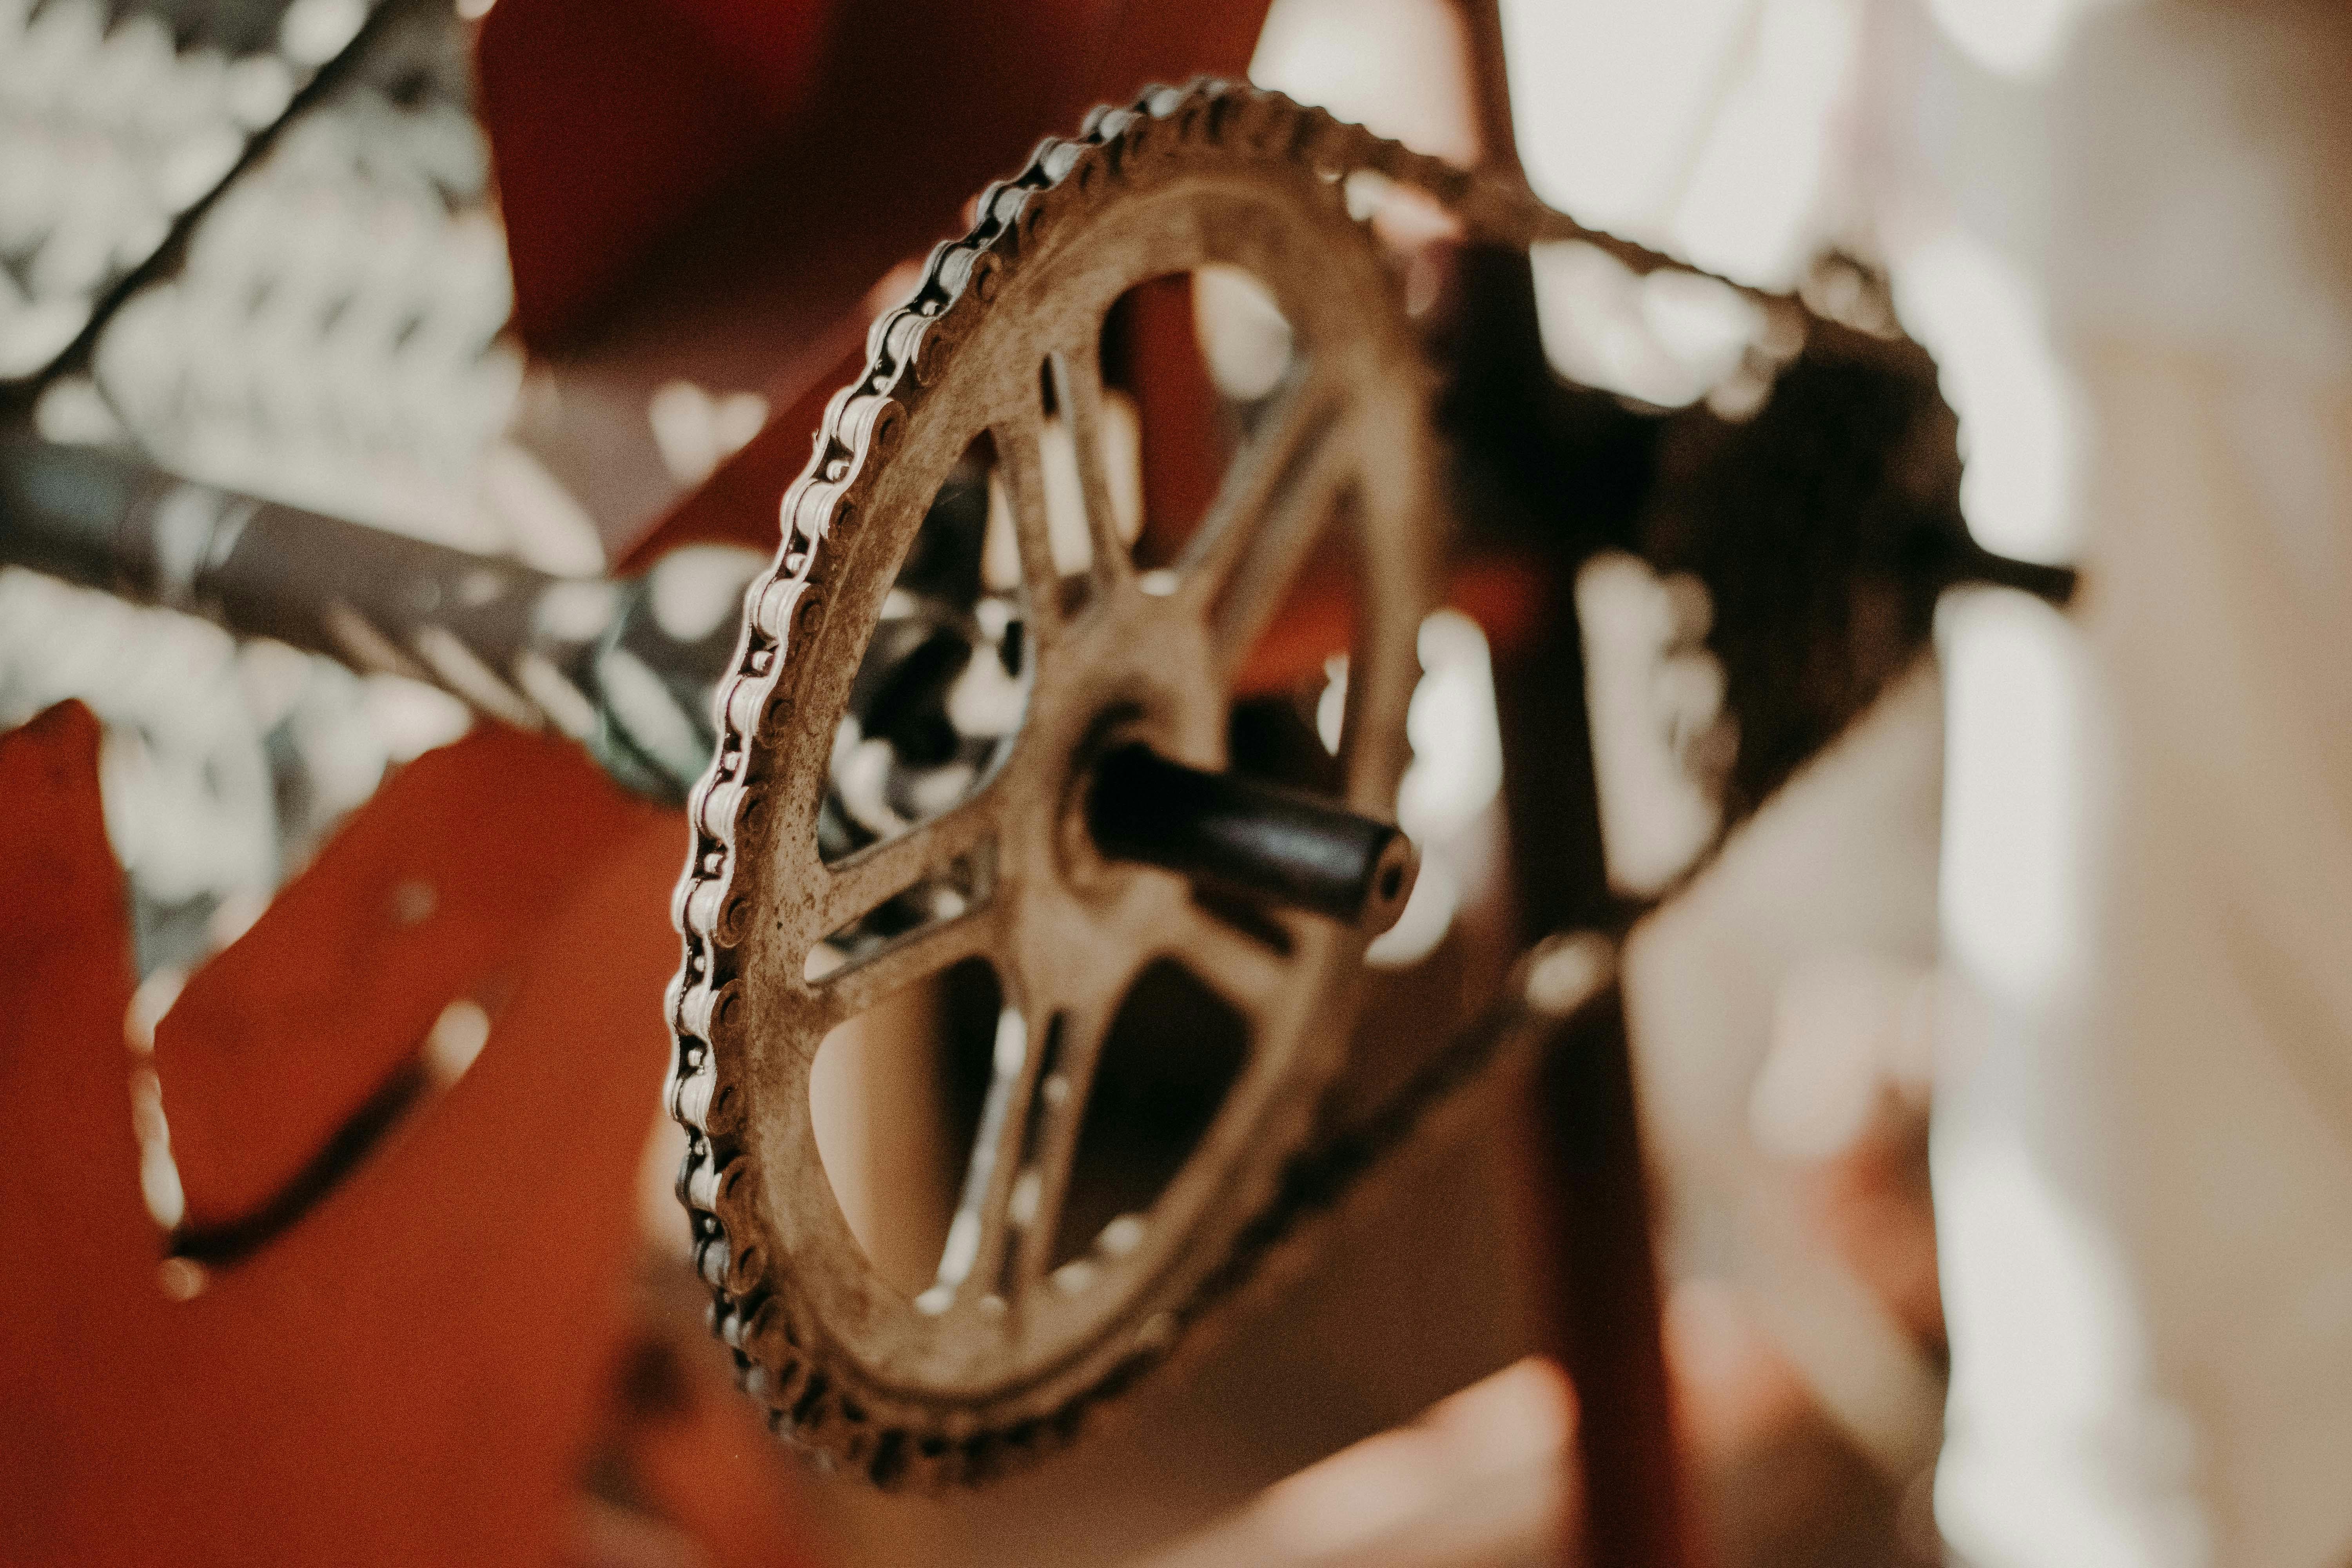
(1001, 1353)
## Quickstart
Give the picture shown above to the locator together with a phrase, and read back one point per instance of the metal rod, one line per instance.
(374, 599)
(1251, 839)
(583, 656)
(1588, 1190)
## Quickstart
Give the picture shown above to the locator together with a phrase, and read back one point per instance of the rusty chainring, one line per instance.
(999, 1359)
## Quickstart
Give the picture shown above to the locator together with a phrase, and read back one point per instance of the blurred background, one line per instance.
(1968, 735)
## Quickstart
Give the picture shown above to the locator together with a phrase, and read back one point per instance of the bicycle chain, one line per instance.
(784, 1363)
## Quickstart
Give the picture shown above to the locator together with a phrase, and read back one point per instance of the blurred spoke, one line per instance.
(1077, 385)
(1292, 451)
